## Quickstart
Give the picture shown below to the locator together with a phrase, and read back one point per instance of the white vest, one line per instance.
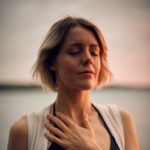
(37, 141)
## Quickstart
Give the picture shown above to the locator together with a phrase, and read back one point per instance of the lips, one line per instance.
(86, 72)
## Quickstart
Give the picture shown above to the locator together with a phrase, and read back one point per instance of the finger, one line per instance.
(54, 130)
(69, 122)
(53, 138)
(57, 122)
(87, 123)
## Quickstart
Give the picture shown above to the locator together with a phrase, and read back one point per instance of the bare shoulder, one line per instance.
(20, 126)
(18, 135)
(131, 138)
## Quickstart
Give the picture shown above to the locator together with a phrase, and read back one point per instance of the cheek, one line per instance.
(67, 67)
(98, 64)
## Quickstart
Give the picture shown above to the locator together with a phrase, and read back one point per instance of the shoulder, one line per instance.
(20, 125)
(125, 115)
(109, 111)
(127, 120)
(130, 135)
(18, 135)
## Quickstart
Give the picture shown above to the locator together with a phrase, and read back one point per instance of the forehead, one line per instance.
(80, 35)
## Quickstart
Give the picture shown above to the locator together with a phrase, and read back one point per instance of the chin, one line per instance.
(87, 86)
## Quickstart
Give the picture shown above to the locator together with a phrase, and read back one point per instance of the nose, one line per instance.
(86, 58)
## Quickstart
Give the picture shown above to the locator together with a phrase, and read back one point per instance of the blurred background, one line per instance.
(126, 29)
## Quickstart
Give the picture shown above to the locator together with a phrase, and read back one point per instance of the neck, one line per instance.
(73, 103)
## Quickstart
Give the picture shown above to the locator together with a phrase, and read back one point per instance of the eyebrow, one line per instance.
(80, 45)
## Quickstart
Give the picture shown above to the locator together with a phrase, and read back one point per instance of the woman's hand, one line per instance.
(71, 136)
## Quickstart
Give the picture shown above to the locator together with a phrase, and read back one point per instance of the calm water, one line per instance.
(15, 103)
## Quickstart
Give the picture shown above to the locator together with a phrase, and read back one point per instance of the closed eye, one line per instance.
(73, 53)
(95, 51)
(74, 50)
(78, 48)
(95, 54)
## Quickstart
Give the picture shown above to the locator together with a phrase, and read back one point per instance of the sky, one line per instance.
(125, 25)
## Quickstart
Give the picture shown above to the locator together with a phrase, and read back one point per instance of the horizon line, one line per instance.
(36, 86)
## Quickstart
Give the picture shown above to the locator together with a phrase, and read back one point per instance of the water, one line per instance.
(15, 103)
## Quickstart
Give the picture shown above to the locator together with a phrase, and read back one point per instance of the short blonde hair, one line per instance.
(52, 44)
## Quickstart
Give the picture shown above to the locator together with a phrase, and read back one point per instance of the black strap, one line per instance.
(54, 146)
(114, 145)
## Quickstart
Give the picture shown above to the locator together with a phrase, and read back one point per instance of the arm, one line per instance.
(18, 135)
(131, 139)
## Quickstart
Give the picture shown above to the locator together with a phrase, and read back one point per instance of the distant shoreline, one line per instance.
(37, 87)
(19, 87)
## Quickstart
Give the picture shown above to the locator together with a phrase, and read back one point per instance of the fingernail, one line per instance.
(58, 113)
(50, 115)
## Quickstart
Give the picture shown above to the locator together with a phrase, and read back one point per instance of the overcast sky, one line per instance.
(125, 25)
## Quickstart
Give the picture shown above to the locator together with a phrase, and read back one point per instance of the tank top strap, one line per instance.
(112, 118)
(36, 129)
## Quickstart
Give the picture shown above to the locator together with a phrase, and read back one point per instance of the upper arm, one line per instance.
(18, 135)
(131, 139)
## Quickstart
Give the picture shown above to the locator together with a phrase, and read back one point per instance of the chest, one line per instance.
(101, 133)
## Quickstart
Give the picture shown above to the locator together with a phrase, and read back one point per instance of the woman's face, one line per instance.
(77, 65)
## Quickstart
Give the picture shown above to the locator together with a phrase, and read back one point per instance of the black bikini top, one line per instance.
(113, 146)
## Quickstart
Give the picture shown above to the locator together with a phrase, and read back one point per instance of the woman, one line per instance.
(72, 61)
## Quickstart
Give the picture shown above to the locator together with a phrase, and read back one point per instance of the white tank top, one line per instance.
(36, 129)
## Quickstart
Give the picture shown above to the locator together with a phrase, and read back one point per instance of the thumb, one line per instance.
(87, 123)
